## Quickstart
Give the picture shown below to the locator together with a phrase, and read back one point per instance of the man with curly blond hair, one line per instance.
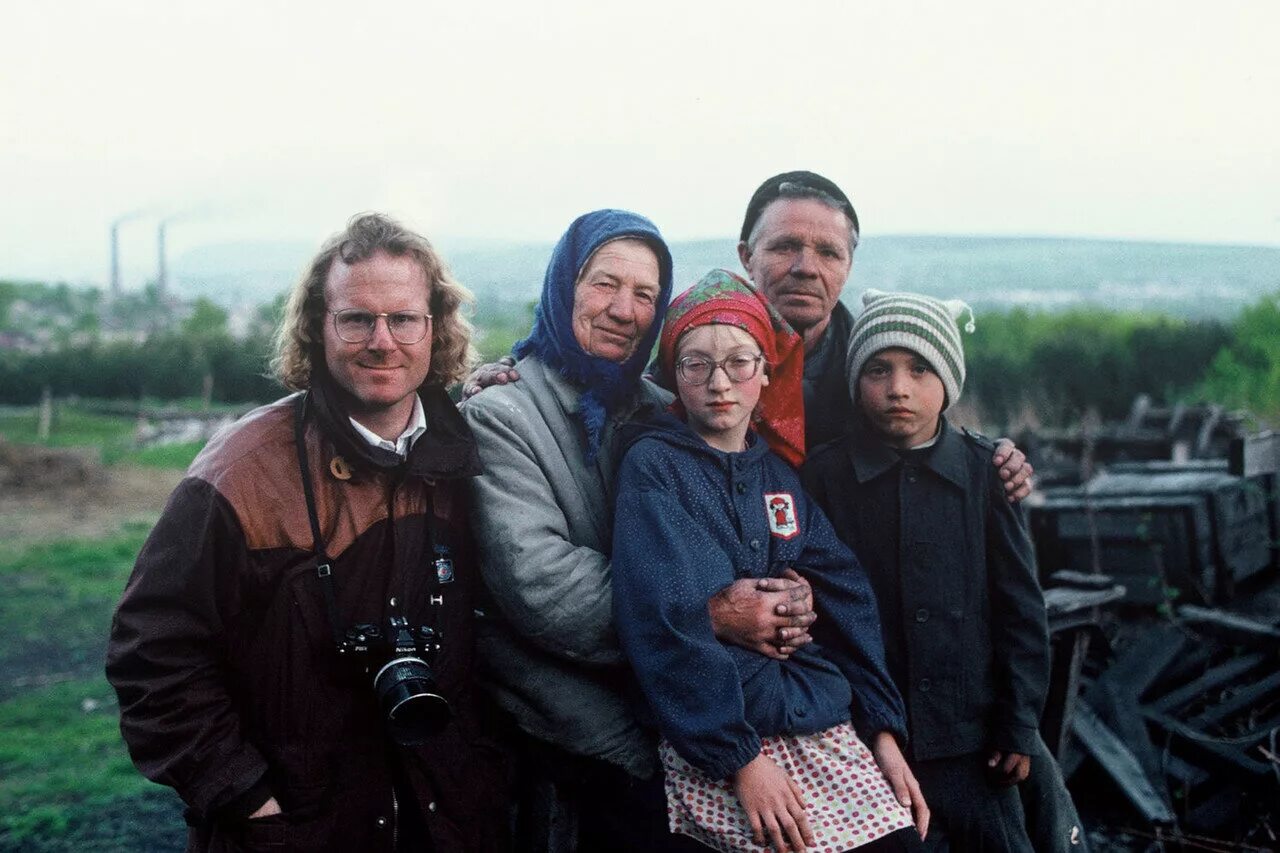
(293, 651)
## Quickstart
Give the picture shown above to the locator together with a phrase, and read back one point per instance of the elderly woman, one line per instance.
(543, 516)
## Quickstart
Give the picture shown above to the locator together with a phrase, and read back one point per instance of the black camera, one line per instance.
(404, 684)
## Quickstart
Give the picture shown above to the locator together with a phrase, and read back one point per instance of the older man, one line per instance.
(797, 242)
(318, 539)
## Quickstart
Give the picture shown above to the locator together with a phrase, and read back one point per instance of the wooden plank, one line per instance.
(1254, 454)
(1227, 756)
(1247, 697)
(1184, 771)
(1217, 677)
(1140, 664)
(1062, 600)
(1080, 580)
(1121, 765)
(1236, 628)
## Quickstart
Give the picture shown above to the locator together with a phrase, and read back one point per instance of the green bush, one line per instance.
(1061, 364)
(1246, 372)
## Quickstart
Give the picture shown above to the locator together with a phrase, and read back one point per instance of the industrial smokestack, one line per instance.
(115, 259)
(116, 285)
(162, 268)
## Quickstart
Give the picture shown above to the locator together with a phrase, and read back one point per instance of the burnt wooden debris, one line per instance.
(1180, 434)
(1161, 569)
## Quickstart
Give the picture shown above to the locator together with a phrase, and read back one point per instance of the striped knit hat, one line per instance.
(922, 324)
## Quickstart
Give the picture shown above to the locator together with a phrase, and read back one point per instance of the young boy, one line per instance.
(949, 559)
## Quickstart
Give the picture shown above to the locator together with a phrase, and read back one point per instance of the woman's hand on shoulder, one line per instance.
(774, 805)
(498, 372)
(889, 757)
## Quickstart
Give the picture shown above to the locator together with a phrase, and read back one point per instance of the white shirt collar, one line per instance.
(417, 426)
(930, 443)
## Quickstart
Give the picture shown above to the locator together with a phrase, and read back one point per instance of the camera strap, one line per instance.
(324, 566)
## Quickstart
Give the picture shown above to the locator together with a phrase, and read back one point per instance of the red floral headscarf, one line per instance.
(723, 298)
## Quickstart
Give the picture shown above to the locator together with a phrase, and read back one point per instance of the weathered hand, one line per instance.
(1015, 470)
(767, 615)
(888, 755)
(1009, 768)
(498, 372)
(797, 609)
(774, 805)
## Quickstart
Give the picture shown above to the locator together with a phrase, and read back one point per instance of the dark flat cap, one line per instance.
(770, 191)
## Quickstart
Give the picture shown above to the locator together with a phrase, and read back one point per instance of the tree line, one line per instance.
(1049, 367)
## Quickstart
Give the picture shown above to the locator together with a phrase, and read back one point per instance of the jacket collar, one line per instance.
(566, 393)
(828, 355)
(872, 457)
(672, 430)
(447, 450)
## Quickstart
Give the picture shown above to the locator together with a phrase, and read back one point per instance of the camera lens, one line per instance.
(413, 709)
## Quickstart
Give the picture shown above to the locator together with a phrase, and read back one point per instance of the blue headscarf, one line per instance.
(604, 383)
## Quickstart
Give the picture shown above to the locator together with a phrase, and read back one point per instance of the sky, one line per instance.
(474, 121)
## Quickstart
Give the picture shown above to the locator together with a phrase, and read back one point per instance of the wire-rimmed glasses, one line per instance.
(697, 369)
(355, 325)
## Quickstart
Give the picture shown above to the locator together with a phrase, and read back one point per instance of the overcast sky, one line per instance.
(275, 121)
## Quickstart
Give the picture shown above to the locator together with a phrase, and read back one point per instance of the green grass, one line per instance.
(70, 427)
(175, 456)
(56, 601)
(66, 782)
(64, 768)
(110, 435)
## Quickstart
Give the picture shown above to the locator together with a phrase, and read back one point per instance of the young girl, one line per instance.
(755, 749)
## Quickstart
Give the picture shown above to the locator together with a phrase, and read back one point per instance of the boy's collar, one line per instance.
(871, 457)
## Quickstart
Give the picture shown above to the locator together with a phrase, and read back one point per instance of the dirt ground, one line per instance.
(98, 507)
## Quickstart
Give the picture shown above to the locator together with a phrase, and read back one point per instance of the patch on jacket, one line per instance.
(781, 510)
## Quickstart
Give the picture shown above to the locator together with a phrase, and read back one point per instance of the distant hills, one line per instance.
(1190, 280)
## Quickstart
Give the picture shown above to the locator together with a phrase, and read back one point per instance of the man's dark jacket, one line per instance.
(952, 567)
(224, 660)
(828, 405)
